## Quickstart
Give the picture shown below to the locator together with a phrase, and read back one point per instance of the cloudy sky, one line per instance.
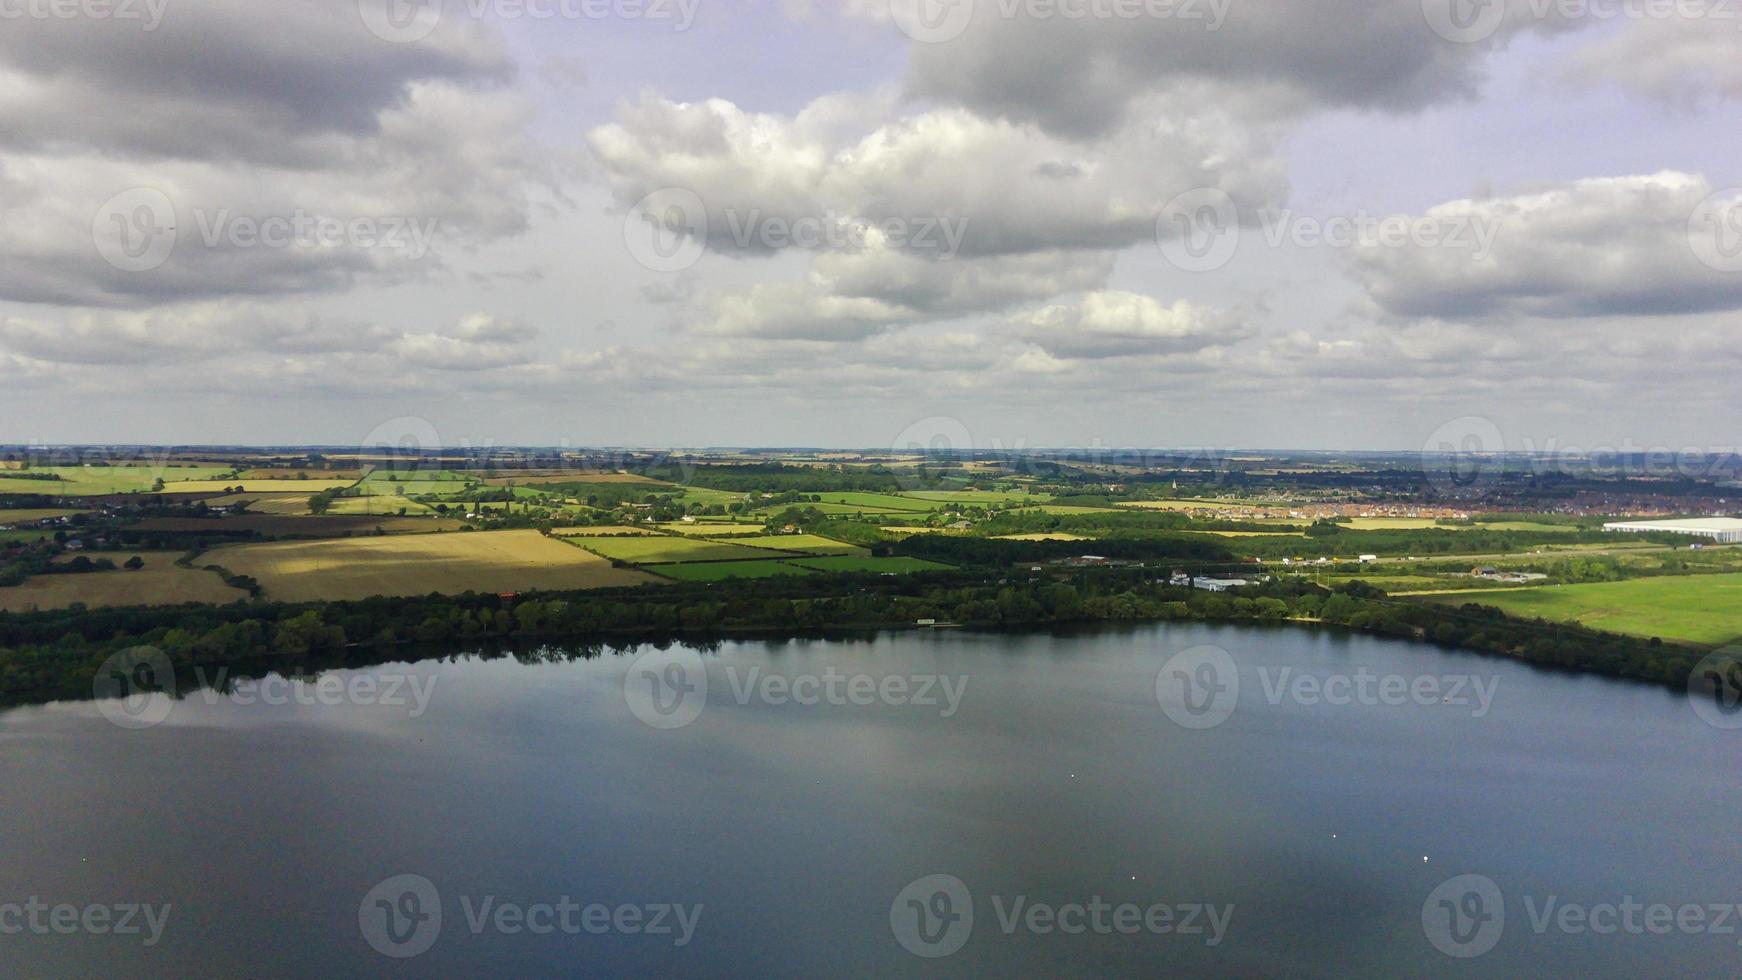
(1189, 223)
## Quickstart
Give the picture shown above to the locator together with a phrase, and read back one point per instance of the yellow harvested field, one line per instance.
(160, 582)
(376, 507)
(1056, 536)
(264, 503)
(715, 530)
(301, 526)
(484, 561)
(281, 504)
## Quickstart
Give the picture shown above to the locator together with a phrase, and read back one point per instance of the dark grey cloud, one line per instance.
(1649, 246)
(1084, 76)
(233, 115)
(222, 80)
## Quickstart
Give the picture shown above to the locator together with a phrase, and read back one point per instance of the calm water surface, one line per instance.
(801, 829)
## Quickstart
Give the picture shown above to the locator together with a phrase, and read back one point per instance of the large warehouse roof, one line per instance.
(1727, 529)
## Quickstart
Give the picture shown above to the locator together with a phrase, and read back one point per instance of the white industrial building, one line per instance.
(1724, 530)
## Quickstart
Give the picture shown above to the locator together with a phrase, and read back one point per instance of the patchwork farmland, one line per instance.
(405, 565)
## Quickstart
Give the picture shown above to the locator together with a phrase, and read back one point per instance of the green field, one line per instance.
(1198, 504)
(719, 571)
(1693, 608)
(660, 550)
(878, 501)
(807, 544)
(895, 566)
(981, 498)
(87, 481)
(256, 486)
(415, 483)
(700, 495)
(846, 510)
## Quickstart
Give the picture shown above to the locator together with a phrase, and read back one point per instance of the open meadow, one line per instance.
(256, 486)
(1692, 608)
(979, 498)
(305, 473)
(574, 476)
(870, 502)
(664, 549)
(1198, 504)
(806, 544)
(865, 563)
(91, 481)
(417, 564)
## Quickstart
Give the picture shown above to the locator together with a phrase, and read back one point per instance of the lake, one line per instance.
(1204, 800)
